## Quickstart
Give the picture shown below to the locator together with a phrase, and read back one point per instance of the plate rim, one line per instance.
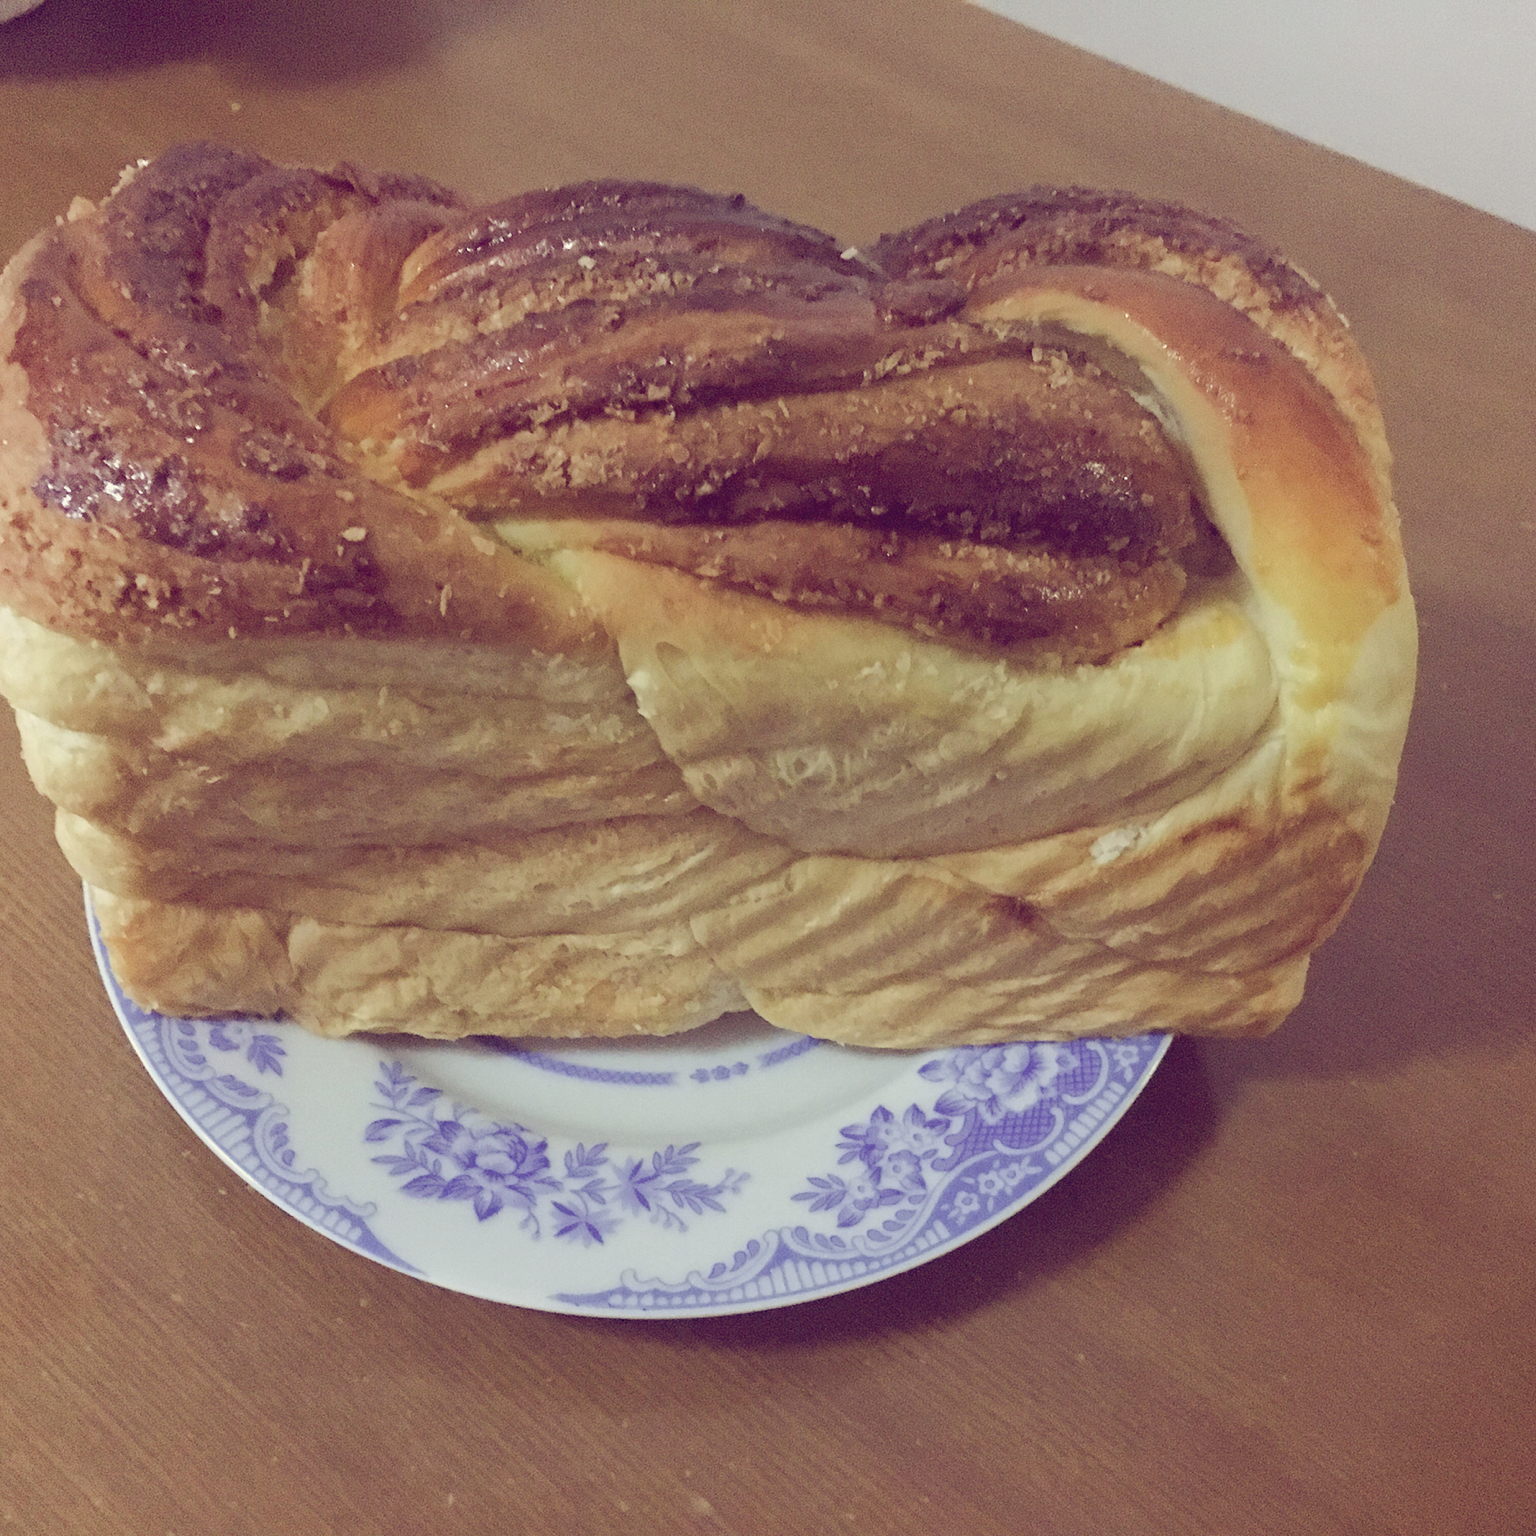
(346, 1221)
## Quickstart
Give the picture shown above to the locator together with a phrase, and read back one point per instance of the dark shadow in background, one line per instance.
(1438, 956)
(1144, 1155)
(285, 41)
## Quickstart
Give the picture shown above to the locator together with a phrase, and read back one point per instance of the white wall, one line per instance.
(1441, 93)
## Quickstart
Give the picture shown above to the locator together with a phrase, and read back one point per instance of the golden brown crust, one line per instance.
(1291, 445)
(159, 473)
(971, 594)
(998, 238)
(259, 396)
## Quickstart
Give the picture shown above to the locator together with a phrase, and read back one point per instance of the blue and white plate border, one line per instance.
(972, 1135)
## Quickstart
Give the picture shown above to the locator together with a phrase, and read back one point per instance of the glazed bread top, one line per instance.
(239, 397)
(161, 472)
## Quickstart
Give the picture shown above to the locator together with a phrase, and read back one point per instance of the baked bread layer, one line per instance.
(837, 738)
(338, 979)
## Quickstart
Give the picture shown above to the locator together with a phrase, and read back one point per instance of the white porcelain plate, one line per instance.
(727, 1170)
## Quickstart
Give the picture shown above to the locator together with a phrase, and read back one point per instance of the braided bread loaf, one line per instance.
(615, 606)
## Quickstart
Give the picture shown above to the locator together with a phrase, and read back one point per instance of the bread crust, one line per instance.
(574, 777)
(158, 476)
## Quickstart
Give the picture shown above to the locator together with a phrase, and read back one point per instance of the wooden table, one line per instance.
(1292, 1292)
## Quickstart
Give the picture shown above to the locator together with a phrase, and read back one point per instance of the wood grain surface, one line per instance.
(1292, 1292)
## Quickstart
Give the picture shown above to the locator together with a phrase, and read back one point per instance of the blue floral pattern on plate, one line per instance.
(458, 1153)
(730, 1170)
